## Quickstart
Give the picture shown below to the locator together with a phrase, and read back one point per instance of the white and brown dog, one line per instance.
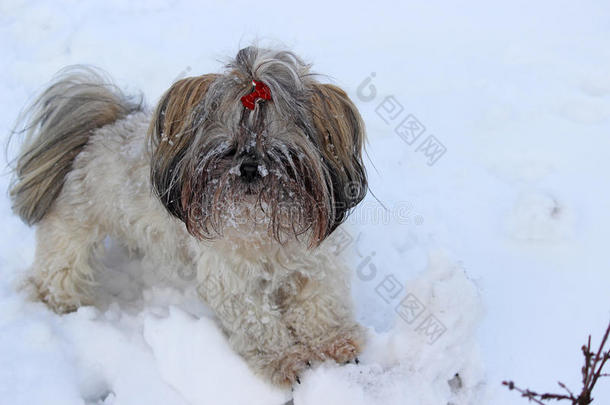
(239, 176)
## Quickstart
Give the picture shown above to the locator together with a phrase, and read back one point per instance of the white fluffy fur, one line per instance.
(282, 306)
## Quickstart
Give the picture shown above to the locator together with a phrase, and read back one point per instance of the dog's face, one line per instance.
(292, 162)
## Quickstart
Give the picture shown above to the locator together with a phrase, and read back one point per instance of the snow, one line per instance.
(406, 365)
(186, 349)
(262, 170)
(497, 227)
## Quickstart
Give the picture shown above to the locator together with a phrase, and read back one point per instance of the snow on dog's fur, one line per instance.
(243, 197)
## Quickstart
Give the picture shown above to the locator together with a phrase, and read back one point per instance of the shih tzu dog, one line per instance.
(239, 177)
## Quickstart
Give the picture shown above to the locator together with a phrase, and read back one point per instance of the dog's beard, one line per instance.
(287, 200)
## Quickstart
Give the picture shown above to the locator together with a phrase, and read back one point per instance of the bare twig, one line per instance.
(591, 373)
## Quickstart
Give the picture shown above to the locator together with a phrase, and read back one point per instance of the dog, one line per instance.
(239, 176)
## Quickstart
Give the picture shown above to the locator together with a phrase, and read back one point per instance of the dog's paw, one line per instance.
(344, 346)
(59, 299)
(58, 306)
(284, 369)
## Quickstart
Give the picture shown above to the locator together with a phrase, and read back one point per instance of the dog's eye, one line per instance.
(231, 152)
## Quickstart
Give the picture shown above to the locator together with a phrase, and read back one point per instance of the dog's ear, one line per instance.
(171, 132)
(341, 134)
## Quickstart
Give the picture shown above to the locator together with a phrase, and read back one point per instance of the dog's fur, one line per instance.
(172, 185)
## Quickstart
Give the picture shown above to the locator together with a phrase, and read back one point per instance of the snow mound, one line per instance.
(431, 344)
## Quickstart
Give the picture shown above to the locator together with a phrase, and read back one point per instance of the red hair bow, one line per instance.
(260, 91)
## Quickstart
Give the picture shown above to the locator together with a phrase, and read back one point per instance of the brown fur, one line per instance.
(341, 132)
(171, 133)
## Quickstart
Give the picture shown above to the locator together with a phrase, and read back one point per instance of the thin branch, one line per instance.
(530, 395)
(562, 385)
(591, 373)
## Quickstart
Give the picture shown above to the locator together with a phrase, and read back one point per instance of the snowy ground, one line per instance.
(500, 243)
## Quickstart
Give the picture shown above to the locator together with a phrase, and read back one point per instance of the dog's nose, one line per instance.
(249, 170)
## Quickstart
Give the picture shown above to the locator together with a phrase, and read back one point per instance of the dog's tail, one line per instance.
(57, 125)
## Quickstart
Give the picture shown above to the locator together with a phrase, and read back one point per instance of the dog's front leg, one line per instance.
(255, 327)
(321, 316)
